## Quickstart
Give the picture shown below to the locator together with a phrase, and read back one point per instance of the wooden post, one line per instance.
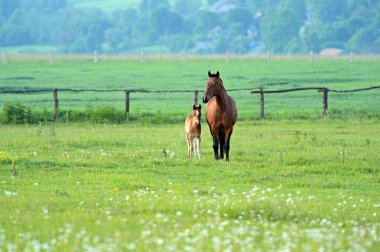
(311, 56)
(325, 101)
(261, 103)
(95, 57)
(269, 56)
(142, 56)
(51, 60)
(351, 56)
(127, 104)
(55, 106)
(228, 55)
(195, 97)
(5, 57)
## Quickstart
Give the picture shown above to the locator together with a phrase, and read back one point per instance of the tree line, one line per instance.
(195, 26)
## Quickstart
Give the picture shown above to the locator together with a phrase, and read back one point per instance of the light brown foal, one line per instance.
(193, 132)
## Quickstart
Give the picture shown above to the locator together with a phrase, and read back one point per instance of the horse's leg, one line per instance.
(227, 143)
(188, 145)
(198, 146)
(195, 147)
(216, 146)
(221, 141)
(191, 147)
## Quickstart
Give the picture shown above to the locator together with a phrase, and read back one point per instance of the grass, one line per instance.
(291, 185)
(171, 73)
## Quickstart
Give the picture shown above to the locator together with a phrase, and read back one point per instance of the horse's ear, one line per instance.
(209, 74)
(217, 74)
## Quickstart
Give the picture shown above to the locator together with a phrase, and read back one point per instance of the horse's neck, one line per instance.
(222, 98)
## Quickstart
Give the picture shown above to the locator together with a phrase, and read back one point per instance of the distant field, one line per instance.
(172, 73)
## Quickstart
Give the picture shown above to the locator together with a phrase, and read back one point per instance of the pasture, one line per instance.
(172, 73)
(290, 185)
(295, 181)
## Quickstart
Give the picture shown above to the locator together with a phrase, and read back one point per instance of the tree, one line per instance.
(165, 22)
(328, 10)
(7, 7)
(282, 24)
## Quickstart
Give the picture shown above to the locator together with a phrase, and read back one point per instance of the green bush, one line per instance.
(17, 113)
(104, 114)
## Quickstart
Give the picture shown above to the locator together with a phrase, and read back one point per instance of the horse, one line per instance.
(221, 114)
(193, 132)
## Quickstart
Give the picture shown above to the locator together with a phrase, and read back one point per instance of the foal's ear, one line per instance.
(199, 106)
(209, 74)
(217, 74)
(194, 107)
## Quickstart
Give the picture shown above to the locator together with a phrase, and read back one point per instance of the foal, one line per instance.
(193, 132)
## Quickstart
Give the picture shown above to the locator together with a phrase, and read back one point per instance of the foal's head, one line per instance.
(197, 114)
(213, 86)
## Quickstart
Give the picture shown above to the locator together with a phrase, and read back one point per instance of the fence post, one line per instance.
(95, 57)
(5, 57)
(56, 102)
(325, 101)
(142, 56)
(228, 58)
(195, 97)
(127, 104)
(261, 103)
(51, 60)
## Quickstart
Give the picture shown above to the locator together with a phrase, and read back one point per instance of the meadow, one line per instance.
(307, 185)
(172, 73)
(296, 181)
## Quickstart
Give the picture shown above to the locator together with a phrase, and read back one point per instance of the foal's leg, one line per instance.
(227, 143)
(198, 146)
(188, 146)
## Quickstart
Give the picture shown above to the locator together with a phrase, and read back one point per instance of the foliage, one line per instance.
(290, 26)
(17, 113)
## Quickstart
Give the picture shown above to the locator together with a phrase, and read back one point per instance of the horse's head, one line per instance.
(213, 86)
(197, 113)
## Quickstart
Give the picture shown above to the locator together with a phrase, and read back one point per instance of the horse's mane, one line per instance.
(217, 76)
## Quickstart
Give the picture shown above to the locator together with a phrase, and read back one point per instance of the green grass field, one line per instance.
(306, 185)
(295, 182)
(157, 73)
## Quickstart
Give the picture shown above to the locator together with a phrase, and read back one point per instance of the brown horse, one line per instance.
(221, 114)
(193, 132)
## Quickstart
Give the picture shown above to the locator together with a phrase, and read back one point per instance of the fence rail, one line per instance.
(260, 91)
(324, 90)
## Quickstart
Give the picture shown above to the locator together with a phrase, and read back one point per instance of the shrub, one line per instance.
(17, 113)
(104, 114)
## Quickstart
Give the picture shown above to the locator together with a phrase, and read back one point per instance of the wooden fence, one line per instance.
(324, 90)
(261, 91)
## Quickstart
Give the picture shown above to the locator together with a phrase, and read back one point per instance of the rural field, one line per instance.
(296, 181)
(172, 73)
